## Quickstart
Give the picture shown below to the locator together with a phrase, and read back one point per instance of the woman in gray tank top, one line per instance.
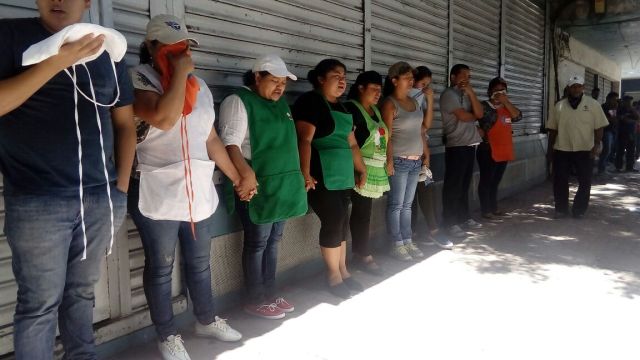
(403, 117)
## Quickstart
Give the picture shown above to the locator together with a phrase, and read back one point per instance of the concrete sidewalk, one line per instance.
(529, 287)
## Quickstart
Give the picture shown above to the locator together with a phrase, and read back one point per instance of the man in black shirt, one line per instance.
(627, 121)
(63, 196)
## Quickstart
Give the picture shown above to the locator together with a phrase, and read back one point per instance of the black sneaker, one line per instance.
(352, 284)
(340, 290)
(560, 215)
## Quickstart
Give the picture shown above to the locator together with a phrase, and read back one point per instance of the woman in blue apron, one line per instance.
(329, 154)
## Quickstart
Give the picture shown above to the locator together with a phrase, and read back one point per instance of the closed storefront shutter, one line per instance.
(589, 81)
(524, 62)
(415, 32)
(476, 40)
(233, 34)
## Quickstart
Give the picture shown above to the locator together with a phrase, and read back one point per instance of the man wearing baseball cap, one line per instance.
(575, 127)
(260, 136)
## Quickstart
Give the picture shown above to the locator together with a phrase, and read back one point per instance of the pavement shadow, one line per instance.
(530, 240)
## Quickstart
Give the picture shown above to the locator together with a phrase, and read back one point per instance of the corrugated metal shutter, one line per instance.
(589, 81)
(524, 62)
(17, 9)
(233, 33)
(476, 40)
(413, 31)
(606, 88)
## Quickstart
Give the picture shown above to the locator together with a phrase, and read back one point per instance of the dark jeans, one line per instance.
(626, 151)
(45, 235)
(425, 198)
(159, 240)
(607, 144)
(458, 171)
(259, 255)
(562, 162)
(359, 223)
(490, 176)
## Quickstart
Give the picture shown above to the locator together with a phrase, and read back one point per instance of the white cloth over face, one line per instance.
(115, 45)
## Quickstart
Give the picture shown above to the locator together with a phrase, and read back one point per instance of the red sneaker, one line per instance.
(265, 311)
(283, 304)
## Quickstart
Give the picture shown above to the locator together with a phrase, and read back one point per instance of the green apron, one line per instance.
(335, 154)
(274, 159)
(374, 155)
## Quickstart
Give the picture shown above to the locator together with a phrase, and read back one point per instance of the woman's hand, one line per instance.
(361, 180)
(309, 182)
(390, 169)
(247, 188)
(182, 62)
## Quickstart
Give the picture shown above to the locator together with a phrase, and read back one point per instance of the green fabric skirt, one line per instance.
(377, 180)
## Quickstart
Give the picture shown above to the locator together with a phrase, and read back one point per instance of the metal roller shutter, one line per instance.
(476, 40)
(303, 32)
(589, 81)
(413, 31)
(524, 62)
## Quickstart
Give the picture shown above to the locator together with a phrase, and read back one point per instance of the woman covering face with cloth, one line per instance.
(174, 194)
(496, 148)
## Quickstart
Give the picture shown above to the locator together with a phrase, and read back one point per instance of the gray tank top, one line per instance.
(406, 137)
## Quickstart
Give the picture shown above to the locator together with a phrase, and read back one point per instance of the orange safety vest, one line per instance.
(500, 137)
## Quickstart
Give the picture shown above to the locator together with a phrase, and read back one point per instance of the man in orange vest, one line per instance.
(496, 149)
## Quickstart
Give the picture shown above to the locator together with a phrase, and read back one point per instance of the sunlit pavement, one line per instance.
(530, 287)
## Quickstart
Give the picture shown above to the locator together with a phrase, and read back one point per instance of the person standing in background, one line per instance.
(460, 109)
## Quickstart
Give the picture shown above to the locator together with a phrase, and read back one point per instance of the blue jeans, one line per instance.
(45, 235)
(607, 143)
(159, 240)
(403, 188)
(259, 256)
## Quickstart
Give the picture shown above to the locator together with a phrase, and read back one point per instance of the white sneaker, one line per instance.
(413, 250)
(400, 253)
(218, 329)
(173, 348)
(472, 224)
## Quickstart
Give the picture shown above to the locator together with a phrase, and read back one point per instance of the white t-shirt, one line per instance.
(234, 125)
(419, 96)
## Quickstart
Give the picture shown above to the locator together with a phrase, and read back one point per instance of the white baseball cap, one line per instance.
(576, 79)
(273, 65)
(168, 29)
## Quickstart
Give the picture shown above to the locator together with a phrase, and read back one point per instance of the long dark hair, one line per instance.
(421, 72)
(322, 69)
(145, 54)
(364, 79)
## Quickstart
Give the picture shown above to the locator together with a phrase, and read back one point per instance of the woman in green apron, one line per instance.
(257, 129)
(371, 134)
(329, 154)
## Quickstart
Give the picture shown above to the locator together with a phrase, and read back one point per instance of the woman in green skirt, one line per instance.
(371, 134)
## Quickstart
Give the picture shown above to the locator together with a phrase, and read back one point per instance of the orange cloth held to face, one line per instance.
(166, 70)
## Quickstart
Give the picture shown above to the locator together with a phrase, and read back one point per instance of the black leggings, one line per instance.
(359, 223)
(491, 173)
(332, 207)
(425, 197)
